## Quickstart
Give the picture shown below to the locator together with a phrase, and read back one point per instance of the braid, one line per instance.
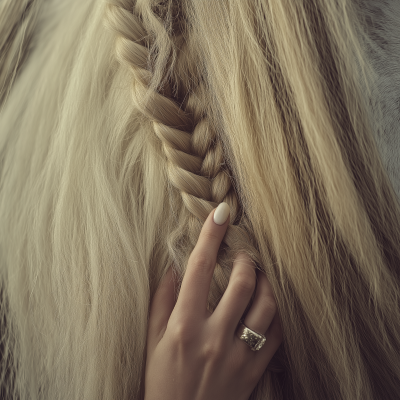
(195, 157)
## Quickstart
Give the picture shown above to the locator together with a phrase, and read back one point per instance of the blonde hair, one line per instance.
(126, 143)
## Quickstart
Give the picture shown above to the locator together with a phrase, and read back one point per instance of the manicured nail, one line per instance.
(221, 213)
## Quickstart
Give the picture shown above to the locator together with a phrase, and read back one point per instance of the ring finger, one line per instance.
(263, 309)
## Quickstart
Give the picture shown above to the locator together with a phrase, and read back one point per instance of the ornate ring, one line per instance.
(254, 339)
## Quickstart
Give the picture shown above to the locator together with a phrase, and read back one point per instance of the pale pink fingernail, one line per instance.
(221, 213)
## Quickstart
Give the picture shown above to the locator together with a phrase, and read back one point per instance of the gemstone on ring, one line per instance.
(253, 339)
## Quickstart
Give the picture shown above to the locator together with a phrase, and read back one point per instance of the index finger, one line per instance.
(200, 269)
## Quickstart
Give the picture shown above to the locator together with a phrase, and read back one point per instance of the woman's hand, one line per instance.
(193, 354)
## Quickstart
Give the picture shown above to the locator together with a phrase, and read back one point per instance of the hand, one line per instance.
(193, 354)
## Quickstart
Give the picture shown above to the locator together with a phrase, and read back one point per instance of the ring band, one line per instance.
(253, 339)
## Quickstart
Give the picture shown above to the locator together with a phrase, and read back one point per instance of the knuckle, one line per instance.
(244, 259)
(269, 305)
(212, 351)
(210, 236)
(244, 283)
(181, 333)
(200, 261)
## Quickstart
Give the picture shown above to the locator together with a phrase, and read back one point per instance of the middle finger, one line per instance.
(240, 288)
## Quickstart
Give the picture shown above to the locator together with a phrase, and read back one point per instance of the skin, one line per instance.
(195, 354)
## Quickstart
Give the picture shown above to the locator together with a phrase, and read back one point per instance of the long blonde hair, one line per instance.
(141, 116)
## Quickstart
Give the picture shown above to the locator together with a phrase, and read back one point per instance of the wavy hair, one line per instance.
(143, 115)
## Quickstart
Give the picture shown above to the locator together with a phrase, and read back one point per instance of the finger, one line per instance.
(263, 309)
(274, 337)
(200, 269)
(263, 318)
(240, 288)
(161, 308)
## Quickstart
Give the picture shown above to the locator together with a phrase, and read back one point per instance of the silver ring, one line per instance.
(254, 339)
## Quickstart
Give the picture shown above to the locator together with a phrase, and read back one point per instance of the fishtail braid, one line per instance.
(195, 156)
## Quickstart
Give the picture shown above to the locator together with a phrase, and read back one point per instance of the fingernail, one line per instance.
(221, 213)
